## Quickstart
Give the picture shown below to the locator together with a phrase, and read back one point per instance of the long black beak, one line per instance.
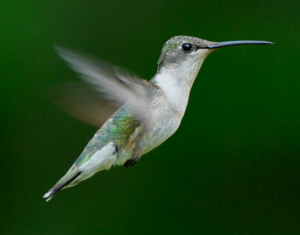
(236, 43)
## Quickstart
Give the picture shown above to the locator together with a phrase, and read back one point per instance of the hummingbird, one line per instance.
(134, 115)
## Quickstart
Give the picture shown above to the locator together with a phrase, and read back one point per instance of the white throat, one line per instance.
(176, 92)
(176, 81)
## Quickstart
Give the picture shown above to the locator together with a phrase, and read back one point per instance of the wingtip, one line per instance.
(47, 194)
(67, 179)
(58, 48)
(62, 51)
(48, 199)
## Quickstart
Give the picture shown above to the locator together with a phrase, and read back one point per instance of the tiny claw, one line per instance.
(131, 162)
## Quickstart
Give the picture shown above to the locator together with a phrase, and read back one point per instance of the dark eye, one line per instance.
(187, 46)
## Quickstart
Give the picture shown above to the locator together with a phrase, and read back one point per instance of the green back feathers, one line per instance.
(117, 129)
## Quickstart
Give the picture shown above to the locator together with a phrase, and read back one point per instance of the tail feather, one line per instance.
(63, 182)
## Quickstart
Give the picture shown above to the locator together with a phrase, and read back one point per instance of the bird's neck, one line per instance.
(176, 82)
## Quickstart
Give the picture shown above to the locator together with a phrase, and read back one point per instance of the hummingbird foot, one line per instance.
(131, 162)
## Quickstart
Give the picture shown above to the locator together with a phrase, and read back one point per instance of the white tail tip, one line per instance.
(47, 194)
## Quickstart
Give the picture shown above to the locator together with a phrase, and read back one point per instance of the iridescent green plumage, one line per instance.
(117, 129)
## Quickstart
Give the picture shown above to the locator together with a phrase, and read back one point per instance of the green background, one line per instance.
(231, 168)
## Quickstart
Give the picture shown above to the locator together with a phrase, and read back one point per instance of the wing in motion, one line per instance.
(108, 88)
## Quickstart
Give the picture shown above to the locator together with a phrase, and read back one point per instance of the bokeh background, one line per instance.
(231, 168)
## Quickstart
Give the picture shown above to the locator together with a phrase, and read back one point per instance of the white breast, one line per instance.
(165, 112)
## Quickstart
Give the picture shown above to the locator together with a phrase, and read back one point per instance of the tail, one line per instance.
(71, 175)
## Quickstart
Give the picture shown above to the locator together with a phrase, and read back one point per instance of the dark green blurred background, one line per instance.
(231, 168)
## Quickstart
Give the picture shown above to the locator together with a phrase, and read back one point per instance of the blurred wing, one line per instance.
(110, 88)
(80, 101)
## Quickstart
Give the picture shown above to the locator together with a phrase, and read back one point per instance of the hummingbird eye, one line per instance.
(187, 46)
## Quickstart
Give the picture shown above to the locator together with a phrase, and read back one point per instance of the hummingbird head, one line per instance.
(187, 52)
(181, 49)
(179, 63)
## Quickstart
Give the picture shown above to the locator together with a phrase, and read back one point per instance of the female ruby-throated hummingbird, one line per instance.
(138, 115)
